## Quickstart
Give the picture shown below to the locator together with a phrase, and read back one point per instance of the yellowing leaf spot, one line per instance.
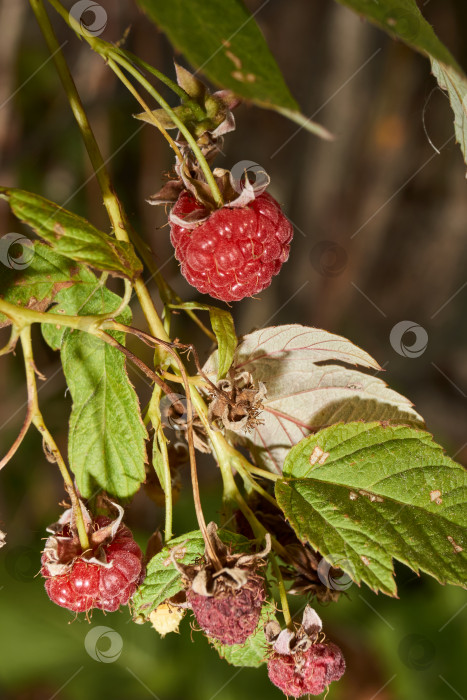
(235, 59)
(372, 496)
(435, 496)
(456, 547)
(58, 230)
(242, 77)
(318, 456)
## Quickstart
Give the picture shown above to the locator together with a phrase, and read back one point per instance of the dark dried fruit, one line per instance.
(230, 617)
(225, 591)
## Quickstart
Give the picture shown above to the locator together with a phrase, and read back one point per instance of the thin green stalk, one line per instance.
(178, 123)
(175, 87)
(222, 451)
(123, 79)
(254, 485)
(282, 592)
(107, 51)
(155, 417)
(49, 443)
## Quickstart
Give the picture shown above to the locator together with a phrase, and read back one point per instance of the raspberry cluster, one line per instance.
(105, 581)
(235, 251)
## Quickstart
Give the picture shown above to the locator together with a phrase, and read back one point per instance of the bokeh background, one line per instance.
(380, 220)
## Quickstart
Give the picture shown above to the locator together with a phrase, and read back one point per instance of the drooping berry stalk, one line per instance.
(282, 592)
(50, 446)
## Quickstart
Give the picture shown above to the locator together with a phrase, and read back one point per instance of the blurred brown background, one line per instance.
(380, 238)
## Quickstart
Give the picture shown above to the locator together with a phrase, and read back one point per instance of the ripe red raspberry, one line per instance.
(306, 672)
(235, 251)
(105, 577)
(232, 616)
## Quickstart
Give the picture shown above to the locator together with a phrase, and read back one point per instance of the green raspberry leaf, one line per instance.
(364, 494)
(106, 443)
(36, 286)
(71, 235)
(226, 44)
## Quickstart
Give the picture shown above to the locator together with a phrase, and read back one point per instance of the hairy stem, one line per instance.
(224, 459)
(50, 446)
(282, 592)
(108, 51)
(155, 418)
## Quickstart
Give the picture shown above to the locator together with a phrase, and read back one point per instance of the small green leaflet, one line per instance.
(253, 652)
(87, 296)
(226, 44)
(71, 235)
(402, 19)
(224, 329)
(106, 445)
(364, 494)
(36, 286)
(162, 578)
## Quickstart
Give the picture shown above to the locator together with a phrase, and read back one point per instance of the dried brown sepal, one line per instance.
(224, 590)
(63, 547)
(239, 404)
(207, 579)
(298, 639)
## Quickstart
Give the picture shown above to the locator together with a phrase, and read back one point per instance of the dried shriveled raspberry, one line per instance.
(224, 589)
(230, 617)
(235, 251)
(104, 577)
(306, 672)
